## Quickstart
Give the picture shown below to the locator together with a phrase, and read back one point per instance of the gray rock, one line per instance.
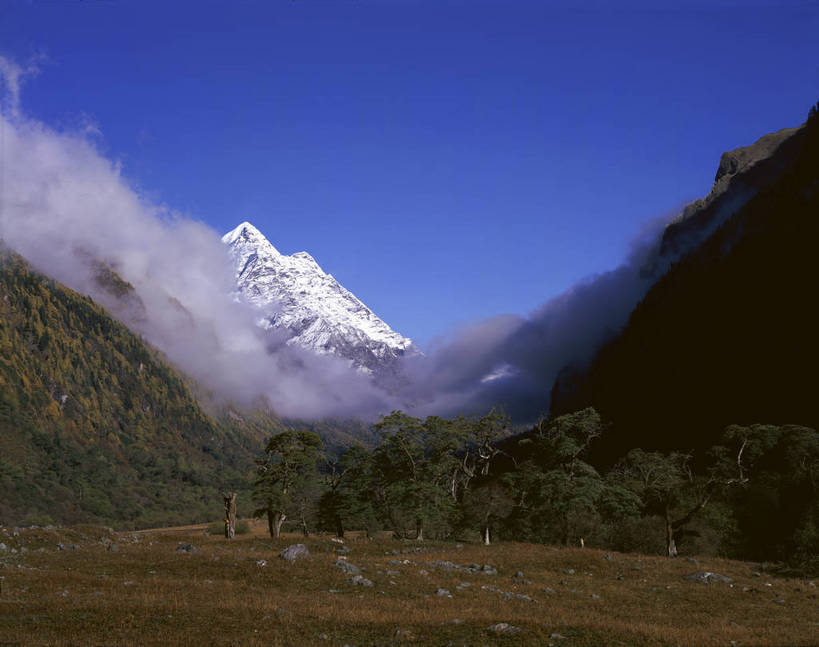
(503, 628)
(360, 580)
(488, 569)
(346, 567)
(569, 571)
(261, 563)
(3, 548)
(519, 575)
(186, 548)
(294, 552)
(323, 637)
(557, 636)
(444, 593)
(549, 590)
(343, 550)
(594, 596)
(707, 577)
(115, 549)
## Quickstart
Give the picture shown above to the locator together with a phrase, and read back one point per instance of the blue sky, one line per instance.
(446, 161)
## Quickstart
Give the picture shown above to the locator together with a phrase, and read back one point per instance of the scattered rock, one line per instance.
(403, 634)
(503, 628)
(360, 580)
(323, 637)
(607, 557)
(261, 563)
(488, 569)
(444, 593)
(707, 577)
(112, 547)
(569, 571)
(549, 590)
(186, 548)
(423, 572)
(594, 596)
(3, 548)
(519, 575)
(517, 596)
(346, 567)
(556, 636)
(294, 552)
(343, 550)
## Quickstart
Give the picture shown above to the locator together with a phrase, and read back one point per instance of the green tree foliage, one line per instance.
(414, 470)
(557, 490)
(287, 483)
(348, 500)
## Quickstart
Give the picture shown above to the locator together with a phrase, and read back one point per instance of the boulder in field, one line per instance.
(294, 552)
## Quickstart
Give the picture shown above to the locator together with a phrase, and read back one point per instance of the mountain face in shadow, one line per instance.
(729, 334)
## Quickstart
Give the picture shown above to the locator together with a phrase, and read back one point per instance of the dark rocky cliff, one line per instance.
(728, 334)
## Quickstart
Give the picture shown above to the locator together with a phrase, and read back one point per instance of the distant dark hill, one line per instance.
(729, 333)
(95, 426)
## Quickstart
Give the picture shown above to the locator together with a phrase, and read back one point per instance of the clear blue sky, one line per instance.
(446, 161)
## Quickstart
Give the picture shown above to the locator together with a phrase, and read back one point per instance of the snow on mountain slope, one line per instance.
(296, 295)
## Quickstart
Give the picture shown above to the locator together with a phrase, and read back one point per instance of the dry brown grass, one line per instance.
(148, 594)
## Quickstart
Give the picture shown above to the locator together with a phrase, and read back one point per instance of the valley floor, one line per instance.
(93, 586)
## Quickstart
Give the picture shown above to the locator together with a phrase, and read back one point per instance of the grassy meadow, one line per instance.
(70, 586)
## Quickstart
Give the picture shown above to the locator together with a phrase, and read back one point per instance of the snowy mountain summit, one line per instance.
(296, 295)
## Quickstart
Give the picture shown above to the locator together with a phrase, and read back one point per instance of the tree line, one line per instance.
(753, 495)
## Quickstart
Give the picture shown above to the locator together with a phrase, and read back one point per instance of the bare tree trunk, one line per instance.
(305, 531)
(670, 543)
(419, 529)
(339, 527)
(270, 527)
(485, 534)
(230, 514)
(278, 520)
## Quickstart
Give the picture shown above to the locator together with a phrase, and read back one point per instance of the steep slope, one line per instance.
(94, 426)
(728, 335)
(295, 295)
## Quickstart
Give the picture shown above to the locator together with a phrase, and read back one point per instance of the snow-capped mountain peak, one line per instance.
(293, 293)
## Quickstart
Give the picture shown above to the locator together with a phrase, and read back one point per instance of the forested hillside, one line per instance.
(95, 427)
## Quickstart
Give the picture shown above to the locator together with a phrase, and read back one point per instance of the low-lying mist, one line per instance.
(67, 208)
